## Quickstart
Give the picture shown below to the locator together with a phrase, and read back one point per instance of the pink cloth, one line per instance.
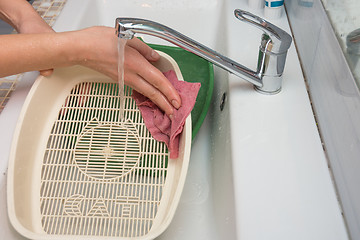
(161, 127)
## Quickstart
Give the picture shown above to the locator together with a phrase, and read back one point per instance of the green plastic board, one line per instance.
(194, 69)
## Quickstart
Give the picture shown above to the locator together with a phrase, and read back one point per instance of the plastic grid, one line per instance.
(101, 176)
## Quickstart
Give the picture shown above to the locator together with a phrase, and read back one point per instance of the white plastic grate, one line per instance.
(108, 151)
(101, 176)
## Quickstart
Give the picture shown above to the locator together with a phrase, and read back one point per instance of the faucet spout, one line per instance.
(128, 27)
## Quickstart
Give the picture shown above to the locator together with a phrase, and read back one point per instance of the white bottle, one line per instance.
(273, 9)
(256, 4)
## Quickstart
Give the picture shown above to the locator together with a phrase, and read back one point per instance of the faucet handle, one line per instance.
(281, 40)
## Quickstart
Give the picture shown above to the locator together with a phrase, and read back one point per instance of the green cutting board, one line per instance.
(194, 69)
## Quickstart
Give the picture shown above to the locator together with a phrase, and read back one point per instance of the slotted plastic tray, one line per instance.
(77, 171)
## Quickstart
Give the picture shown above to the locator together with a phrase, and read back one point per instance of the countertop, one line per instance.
(283, 185)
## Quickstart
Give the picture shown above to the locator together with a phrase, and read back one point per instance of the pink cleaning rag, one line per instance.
(161, 127)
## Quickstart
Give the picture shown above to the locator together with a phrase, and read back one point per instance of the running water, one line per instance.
(121, 56)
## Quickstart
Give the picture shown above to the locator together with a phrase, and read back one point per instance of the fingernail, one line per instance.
(175, 104)
(154, 54)
(171, 116)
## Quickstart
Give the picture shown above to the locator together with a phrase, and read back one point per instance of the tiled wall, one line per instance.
(48, 10)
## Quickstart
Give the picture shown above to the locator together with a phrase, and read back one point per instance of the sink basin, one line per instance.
(206, 208)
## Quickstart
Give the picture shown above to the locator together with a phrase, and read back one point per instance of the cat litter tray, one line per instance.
(77, 171)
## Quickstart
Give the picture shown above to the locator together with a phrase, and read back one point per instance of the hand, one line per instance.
(100, 48)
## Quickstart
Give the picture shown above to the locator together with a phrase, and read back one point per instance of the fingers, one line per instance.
(139, 73)
(145, 88)
(47, 72)
(149, 53)
(150, 82)
(162, 84)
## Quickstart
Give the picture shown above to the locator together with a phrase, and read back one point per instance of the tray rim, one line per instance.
(20, 228)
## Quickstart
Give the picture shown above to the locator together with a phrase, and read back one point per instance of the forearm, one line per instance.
(20, 14)
(30, 52)
(95, 48)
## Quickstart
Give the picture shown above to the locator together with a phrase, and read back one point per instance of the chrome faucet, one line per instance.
(272, 53)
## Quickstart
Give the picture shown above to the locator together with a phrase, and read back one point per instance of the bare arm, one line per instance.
(29, 52)
(22, 16)
(95, 48)
(40, 48)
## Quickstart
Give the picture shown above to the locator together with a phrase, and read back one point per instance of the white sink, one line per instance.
(257, 167)
(206, 209)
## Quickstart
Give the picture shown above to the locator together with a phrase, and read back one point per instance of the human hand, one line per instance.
(99, 45)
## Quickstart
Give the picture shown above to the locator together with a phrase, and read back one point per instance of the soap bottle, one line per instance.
(273, 9)
(256, 4)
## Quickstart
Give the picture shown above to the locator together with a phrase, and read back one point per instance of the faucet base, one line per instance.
(266, 92)
(271, 85)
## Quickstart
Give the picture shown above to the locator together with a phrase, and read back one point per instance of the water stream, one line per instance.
(121, 58)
